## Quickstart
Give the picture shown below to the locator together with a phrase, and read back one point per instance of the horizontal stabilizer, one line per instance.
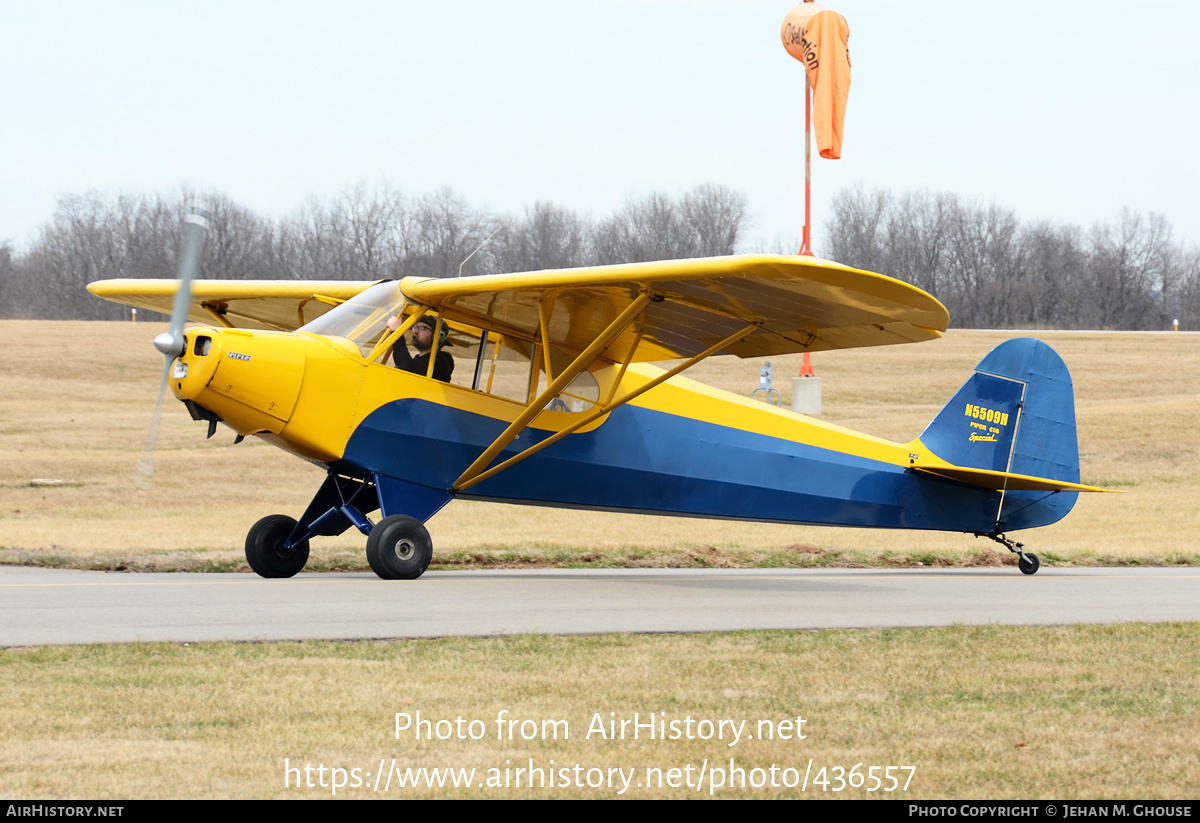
(1006, 481)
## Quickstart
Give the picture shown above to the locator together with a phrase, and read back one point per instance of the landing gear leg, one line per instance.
(1027, 562)
(398, 547)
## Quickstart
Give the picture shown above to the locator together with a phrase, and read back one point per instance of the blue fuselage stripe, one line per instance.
(650, 461)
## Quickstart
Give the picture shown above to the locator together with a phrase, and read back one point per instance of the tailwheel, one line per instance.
(1028, 563)
(265, 547)
(399, 548)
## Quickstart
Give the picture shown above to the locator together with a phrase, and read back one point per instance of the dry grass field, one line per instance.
(75, 400)
(1083, 712)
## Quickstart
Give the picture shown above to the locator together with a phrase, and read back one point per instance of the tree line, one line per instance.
(994, 271)
(359, 235)
(990, 269)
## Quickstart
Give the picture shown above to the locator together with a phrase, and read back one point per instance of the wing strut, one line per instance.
(462, 484)
(388, 340)
(209, 307)
(578, 365)
(543, 324)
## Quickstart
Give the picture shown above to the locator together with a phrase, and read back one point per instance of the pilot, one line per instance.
(422, 337)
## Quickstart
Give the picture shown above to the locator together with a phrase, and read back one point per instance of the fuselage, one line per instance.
(680, 448)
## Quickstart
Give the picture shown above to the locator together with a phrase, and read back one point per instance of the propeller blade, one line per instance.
(145, 464)
(195, 226)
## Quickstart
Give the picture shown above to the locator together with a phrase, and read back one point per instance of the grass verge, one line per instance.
(798, 556)
(1093, 712)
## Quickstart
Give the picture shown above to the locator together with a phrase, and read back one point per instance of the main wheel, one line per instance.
(264, 547)
(399, 548)
(1028, 563)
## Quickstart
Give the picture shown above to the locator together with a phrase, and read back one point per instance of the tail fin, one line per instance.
(1011, 428)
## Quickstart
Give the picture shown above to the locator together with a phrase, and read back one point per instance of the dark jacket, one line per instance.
(443, 364)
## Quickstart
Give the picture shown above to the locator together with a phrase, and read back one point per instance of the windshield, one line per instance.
(363, 318)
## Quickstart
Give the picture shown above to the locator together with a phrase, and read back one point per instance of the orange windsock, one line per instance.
(819, 39)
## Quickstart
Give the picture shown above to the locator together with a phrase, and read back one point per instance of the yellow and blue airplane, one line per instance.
(553, 402)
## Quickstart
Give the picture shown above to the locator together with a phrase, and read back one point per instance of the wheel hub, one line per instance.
(405, 549)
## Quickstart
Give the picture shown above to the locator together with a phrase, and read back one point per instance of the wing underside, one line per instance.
(796, 304)
(282, 305)
(793, 304)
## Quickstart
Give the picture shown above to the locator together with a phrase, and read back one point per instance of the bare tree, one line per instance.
(547, 237)
(715, 217)
(985, 266)
(857, 231)
(642, 230)
(376, 226)
(316, 242)
(235, 247)
(441, 232)
(707, 222)
(919, 228)
(1187, 311)
(1126, 268)
(88, 239)
(8, 280)
(1055, 261)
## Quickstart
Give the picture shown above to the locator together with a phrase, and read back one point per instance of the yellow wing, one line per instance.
(795, 303)
(798, 304)
(285, 305)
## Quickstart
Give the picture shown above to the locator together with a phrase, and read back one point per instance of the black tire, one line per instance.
(399, 548)
(264, 547)
(1028, 563)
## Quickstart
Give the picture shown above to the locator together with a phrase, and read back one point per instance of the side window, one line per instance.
(505, 367)
(580, 395)
(463, 346)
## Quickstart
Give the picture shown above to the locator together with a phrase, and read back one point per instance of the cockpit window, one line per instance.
(507, 367)
(363, 318)
(495, 364)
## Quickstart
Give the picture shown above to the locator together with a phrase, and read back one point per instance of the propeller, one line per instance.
(171, 342)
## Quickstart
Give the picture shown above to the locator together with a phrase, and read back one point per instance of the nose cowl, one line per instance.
(196, 364)
(250, 379)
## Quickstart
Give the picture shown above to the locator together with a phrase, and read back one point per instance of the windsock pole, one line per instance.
(806, 241)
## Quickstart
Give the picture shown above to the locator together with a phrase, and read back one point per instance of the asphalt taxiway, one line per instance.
(54, 606)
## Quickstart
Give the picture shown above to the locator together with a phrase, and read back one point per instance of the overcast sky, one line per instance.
(1066, 111)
